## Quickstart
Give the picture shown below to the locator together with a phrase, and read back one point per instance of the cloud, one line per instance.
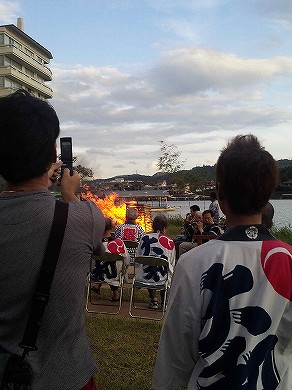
(191, 70)
(181, 27)
(9, 11)
(279, 12)
(173, 5)
(193, 97)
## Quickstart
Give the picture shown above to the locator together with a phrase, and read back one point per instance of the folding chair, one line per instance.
(91, 303)
(136, 284)
(131, 246)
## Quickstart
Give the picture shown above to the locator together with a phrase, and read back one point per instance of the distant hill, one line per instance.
(206, 171)
(284, 163)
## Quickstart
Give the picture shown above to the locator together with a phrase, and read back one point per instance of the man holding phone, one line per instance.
(29, 128)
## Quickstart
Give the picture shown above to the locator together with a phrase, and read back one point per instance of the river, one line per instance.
(282, 217)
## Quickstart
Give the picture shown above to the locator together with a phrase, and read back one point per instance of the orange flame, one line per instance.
(115, 208)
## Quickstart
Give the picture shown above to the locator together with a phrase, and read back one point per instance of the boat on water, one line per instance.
(156, 199)
(163, 209)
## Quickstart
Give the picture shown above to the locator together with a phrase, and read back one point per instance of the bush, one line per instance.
(283, 233)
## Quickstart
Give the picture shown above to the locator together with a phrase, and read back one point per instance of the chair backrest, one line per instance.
(201, 238)
(151, 260)
(111, 257)
(130, 244)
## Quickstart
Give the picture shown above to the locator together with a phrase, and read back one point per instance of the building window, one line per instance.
(1, 60)
(11, 84)
(16, 65)
(29, 72)
(1, 81)
(40, 79)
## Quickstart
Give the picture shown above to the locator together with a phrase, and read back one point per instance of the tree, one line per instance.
(2, 183)
(83, 171)
(190, 180)
(169, 161)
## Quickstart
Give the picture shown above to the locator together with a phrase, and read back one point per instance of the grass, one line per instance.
(174, 226)
(125, 351)
(283, 233)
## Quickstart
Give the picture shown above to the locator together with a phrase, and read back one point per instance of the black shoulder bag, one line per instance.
(15, 371)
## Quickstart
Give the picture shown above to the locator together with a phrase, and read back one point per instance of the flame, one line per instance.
(115, 208)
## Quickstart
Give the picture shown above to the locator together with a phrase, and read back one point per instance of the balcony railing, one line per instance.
(24, 59)
(28, 81)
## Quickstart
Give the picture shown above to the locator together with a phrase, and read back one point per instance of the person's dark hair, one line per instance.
(268, 215)
(29, 128)
(208, 212)
(213, 195)
(108, 224)
(247, 175)
(194, 208)
(159, 223)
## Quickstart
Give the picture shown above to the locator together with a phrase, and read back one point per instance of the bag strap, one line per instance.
(42, 292)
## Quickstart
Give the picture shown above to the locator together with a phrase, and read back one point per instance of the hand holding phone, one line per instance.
(66, 154)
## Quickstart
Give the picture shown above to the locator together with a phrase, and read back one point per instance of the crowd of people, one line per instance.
(228, 323)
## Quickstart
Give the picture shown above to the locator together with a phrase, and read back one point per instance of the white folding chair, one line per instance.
(94, 305)
(136, 284)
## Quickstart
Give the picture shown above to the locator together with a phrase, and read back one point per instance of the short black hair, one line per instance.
(194, 208)
(108, 224)
(29, 127)
(247, 175)
(208, 212)
(213, 195)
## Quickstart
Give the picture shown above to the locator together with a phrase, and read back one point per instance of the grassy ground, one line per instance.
(174, 226)
(125, 351)
(283, 233)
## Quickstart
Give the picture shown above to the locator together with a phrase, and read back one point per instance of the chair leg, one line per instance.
(95, 310)
(132, 306)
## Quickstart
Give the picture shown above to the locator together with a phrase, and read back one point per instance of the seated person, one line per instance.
(187, 230)
(130, 230)
(159, 245)
(109, 272)
(206, 226)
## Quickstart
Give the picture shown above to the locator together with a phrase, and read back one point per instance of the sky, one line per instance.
(128, 74)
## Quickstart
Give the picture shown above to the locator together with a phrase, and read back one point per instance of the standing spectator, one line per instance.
(156, 244)
(214, 206)
(229, 318)
(29, 128)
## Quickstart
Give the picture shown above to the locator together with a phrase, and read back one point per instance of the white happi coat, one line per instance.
(157, 245)
(228, 324)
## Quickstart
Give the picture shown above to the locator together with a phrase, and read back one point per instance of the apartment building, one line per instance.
(23, 62)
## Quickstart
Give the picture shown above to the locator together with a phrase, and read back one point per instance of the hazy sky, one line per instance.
(130, 73)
